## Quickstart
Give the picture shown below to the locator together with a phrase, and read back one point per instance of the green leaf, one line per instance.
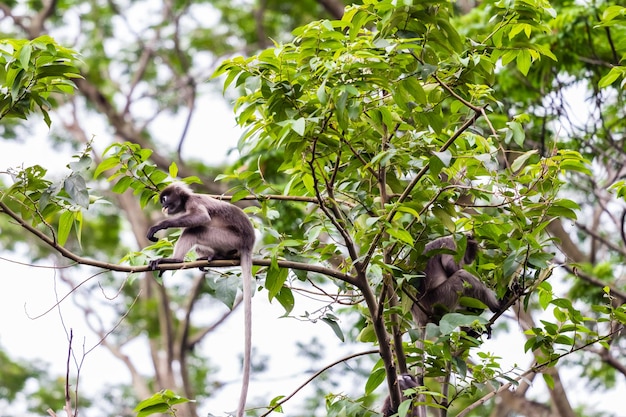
(444, 218)
(159, 408)
(612, 12)
(402, 235)
(523, 61)
(122, 185)
(521, 160)
(545, 294)
(367, 334)
(403, 409)
(66, 221)
(274, 403)
(105, 165)
(299, 125)
(404, 208)
(25, 54)
(286, 299)
(517, 28)
(452, 321)
(239, 195)
(224, 289)
(516, 132)
(548, 380)
(332, 322)
(76, 188)
(611, 76)
(445, 157)
(159, 403)
(173, 170)
(376, 378)
(274, 280)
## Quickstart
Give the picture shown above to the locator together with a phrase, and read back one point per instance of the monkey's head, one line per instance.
(406, 381)
(174, 199)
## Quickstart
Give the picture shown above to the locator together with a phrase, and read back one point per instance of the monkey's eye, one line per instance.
(163, 199)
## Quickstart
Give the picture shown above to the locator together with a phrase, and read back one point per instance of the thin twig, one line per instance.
(315, 375)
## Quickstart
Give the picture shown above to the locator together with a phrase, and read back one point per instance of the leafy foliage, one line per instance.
(161, 402)
(366, 137)
(30, 72)
(385, 119)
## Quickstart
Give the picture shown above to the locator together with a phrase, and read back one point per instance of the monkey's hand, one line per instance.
(151, 233)
(153, 265)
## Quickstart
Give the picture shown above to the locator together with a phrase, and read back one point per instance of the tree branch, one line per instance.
(350, 279)
(596, 282)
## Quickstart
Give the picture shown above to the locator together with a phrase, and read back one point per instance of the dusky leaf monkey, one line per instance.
(405, 382)
(216, 230)
(439, 292)
(445, 282)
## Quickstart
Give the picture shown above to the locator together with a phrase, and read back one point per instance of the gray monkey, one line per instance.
(445, 282)
(217, 230)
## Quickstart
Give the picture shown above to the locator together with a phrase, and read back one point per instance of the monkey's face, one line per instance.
(172, 203)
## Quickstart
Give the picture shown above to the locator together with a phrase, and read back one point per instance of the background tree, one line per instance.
(365, 138)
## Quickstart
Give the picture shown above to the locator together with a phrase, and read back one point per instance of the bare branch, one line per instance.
(37, 22)
(595, 281)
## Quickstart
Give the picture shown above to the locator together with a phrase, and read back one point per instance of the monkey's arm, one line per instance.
(199, 217)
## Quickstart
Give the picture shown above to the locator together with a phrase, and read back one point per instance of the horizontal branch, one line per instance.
(280, 197)
(173, 266)
(261, 197)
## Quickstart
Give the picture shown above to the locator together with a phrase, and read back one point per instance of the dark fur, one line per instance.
(445, 281)
(216, 230)
(405, 382)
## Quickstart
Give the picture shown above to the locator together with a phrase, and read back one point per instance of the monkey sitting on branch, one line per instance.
(216, 230)
(445, 282)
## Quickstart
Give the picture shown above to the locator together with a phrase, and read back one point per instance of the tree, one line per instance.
(366, 137)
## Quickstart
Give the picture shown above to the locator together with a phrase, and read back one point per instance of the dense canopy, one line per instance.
(359, 134)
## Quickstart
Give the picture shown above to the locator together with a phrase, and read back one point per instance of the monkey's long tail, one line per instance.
(246, 275)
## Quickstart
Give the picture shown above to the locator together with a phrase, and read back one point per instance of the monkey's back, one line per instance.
(229, 216)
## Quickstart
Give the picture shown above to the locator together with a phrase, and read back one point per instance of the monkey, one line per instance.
(405, 382)
(445, 282)
(217, 230)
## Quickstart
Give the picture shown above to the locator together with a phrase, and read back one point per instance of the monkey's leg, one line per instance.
(218, 243)
(185, 242)
(475, 288)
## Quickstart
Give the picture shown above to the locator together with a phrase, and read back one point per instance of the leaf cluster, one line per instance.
(31, 72)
